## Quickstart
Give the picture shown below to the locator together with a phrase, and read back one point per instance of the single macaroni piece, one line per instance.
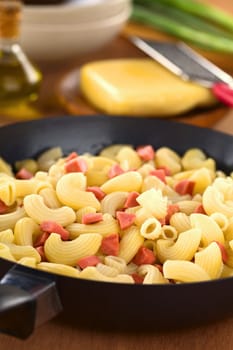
(28, 261)
(183, 249)
(128, 158)
(180, 221)
(55, 172)
(26, 231)
(141, 216)
(113, 201)
(130, 243)
(152, 275)
(188, 206)
(105, 227)
(36, 209)
(93, 274)
(7, 236)
(42, 176)
(202, 178)
(184, 271)
(5, 168)
(169, 232)
(168, 158)
(60, 269)
(49, 157)
(128, 182)
(151, 228)
(210, 231)
(20, 251)
(210, 259)
(26, 187)
(97, 177)
(50, 198)
(9, 220)
(98, 163)
(71, 192)
(228, 233)
(7, 189)
(68, 253)
(221, 220)
(214, 201)
(5, 252)
(115, 262)
(106, 270)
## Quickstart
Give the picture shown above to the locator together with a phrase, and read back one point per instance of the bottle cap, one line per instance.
(10, 17)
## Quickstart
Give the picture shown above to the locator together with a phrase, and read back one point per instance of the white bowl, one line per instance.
(59, 42)
(74, 13)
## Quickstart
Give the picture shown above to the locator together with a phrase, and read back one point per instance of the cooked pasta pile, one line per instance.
(127, 215)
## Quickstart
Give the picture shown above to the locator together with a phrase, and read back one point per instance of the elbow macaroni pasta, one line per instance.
(130, 227)
(68, 253)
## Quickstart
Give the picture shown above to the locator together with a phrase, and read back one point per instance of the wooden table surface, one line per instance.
(57, 335)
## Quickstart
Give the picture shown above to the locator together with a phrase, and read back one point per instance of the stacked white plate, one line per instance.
(77, 27)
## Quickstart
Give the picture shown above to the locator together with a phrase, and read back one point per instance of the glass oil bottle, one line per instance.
(19, 79)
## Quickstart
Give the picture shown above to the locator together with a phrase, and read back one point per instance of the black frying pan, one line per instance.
(29, 297)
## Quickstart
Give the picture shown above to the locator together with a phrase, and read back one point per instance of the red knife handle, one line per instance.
(224, 93)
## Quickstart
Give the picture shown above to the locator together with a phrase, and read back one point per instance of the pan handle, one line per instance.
(28, 298)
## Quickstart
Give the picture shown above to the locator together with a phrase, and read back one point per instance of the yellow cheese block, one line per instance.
(140, 87)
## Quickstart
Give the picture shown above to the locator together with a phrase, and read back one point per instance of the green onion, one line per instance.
(166, 23)
(207, 11)
(162, 7)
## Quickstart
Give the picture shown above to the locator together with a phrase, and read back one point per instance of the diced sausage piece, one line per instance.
(72, 155)
(184, 187)
(110, 245)
(144, 256)
(76, 165)
(171, 209)
(131, 200)
(137, 278)
(92, 218)
(146, 152)
(42, 239)
(91, 260)
(54, 227)
(125, 219)
(160, 173)
(223, 252)
(200, 209)
(115, 170)
(3, 207)
(23, 174)
(97, 192)
(41, 251)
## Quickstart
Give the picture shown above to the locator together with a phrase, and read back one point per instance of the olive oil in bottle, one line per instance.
(19, 79)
